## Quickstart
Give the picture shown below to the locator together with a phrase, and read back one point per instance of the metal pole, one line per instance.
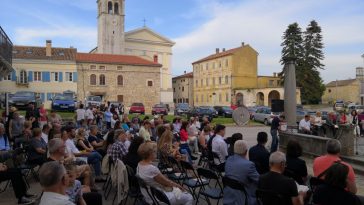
(290, 98)
(7, 105)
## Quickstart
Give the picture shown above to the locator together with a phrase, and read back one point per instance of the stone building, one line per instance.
(120, 78)
(220, 77)
(142, 42)
(346, 90)
(183, 88)
(46, 71)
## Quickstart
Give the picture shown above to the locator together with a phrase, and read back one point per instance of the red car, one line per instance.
(137, 108)
(159, 109)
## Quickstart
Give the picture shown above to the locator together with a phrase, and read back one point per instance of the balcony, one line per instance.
(22, 83)
(6, 52)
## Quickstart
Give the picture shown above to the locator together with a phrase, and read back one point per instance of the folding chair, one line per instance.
(159, 196)
(176, 173)
(143, 185)
(108, 184)
(7, 183)
(234, 184)
(192, 182)
(207, 191)
(134, 189)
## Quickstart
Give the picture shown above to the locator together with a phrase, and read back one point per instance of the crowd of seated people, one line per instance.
(68, 157)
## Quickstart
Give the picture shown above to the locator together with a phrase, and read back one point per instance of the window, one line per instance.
(220, 64)
(220, 80)
(8, 77)
(186, 100)
(227, 97)
(226, 79)
(69, 77)
(150, 83)
(101, 67)
(54, 76)
(329, 90)
(38, 76)
(207, 98)
(155, 58)
(174, 89)
(201, 82)
(201, 98)
(183, 88)
(92, 67)
(175, 100)
(109, 7)
(120, 80)
(271, 82)
(102, 79)
(23, 79)
(116, 8)
(92, 79)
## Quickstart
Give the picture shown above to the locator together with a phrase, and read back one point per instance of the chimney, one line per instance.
(217, 50)
(185, 72)
(242, 44)
(223, 50)
(274, 74)
(48, 48)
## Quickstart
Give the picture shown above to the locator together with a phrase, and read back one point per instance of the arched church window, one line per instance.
(109, 7)
(102, 79)
(155, 58)
(116, 8)
(92, 79)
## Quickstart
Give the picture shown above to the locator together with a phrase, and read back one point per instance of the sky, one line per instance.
(200, 26)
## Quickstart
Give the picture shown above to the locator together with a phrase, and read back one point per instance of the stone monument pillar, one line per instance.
(290, 101)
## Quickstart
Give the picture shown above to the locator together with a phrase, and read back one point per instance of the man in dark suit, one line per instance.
(259, 154)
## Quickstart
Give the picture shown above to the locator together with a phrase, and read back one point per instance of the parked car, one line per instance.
(21, 99)
(181, 108)
(137, 108)
(339, 106)
(265, 115)
(224, 111)
(252, 111)
(201, 112)
(93, 100)
(160, 109)
(63, 103)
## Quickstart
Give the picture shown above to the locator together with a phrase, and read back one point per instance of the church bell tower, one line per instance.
(111, 15)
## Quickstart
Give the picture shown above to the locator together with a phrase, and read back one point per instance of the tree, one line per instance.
(306, 48)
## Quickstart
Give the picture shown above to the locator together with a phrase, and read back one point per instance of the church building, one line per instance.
(141, 42)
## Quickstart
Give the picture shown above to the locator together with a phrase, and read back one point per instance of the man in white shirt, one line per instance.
(89, 115)
(305, 125)
(80, 112)
(219, 147)
(54, 180)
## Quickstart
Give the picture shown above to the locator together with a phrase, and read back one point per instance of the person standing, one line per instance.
(274, 132)
(80, 112)
(89, 115)
(32, 115)
(43, 119)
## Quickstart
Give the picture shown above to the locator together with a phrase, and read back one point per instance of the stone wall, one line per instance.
(134, 88)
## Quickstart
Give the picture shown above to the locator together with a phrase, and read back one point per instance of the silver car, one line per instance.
(265, 115)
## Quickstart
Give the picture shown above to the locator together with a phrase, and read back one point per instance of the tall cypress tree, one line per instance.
(292, 43)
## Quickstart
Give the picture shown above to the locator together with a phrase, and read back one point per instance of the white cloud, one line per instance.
(261, 24)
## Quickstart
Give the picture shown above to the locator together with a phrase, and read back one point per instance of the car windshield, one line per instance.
(339, 105)
(137, 104)
(226, 108)
(94, 98)
(182, 105)
(159, 106)
(63, 97)
(24, 94)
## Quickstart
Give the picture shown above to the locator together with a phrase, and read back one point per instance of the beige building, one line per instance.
(183, 88)
(44, 70)
(121, 78)
(346, 90)
(221, 77)
(142, 42)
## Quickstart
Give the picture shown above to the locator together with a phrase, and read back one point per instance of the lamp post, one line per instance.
(290, 101)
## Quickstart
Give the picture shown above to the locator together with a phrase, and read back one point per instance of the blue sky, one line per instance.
(200, 26)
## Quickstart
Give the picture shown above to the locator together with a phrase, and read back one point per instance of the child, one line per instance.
(74, 190)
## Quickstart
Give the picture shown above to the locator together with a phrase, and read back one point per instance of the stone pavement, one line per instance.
(249, 134)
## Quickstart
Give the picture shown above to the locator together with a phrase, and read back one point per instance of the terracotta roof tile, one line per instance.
(34, 52)
(340, 83)
(187, 75)
(114, 59)
(218, 55)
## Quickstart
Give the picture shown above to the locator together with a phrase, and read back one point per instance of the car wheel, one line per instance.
(266, 122)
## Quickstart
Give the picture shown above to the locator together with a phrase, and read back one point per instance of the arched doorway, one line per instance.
(273, 95)
(239, 99)
(260, 99)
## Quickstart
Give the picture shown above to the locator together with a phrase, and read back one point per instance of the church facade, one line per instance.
(142, 42)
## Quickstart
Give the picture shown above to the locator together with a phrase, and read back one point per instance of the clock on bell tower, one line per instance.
(111, 17)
